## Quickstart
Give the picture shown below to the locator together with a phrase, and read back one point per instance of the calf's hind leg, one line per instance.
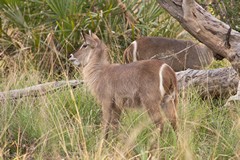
(169, 108)
(154, 113)
(115, 117)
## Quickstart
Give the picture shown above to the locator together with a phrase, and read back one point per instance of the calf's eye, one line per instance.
(85, 46)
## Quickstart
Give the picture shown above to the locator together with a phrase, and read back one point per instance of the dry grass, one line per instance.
(66, 125)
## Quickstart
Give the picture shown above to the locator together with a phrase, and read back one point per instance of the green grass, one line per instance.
(67, 125)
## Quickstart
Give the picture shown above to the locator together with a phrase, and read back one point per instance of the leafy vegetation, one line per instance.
(66, 124)
(25, 26)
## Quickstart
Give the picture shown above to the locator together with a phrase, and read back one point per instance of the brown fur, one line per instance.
(118, 86)
(195, 57)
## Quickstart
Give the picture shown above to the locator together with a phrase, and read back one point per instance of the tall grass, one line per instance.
(66, 125)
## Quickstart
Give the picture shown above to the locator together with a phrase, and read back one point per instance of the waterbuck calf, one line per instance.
(179, 54)
(149, 83)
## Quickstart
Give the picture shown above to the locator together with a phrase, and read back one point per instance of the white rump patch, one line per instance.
(134, 43)
(161, 87)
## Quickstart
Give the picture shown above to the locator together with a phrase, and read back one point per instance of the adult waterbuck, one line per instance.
(179, 54)
(149, 83)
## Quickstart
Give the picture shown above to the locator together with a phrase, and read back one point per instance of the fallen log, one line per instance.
(38, 90)
(222, 82)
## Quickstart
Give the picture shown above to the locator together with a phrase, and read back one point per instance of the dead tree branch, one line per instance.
(38, 90)
(131, 20)
(221, 82)
(209, 30)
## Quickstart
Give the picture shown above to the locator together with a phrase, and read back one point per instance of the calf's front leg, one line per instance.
(106, 118)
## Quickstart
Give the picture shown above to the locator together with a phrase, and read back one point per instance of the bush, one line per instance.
(25, 26)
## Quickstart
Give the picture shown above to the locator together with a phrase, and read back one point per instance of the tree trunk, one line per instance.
(214, 33)
(222, 82)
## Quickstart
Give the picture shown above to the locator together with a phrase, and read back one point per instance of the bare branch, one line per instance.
(38, 90)
(221, 82)
(218, 82)
(130, 18)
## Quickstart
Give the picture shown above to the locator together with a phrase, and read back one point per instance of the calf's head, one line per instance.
(85, 52)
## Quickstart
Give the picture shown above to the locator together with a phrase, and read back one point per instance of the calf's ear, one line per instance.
(83, 34)
(91, 38)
